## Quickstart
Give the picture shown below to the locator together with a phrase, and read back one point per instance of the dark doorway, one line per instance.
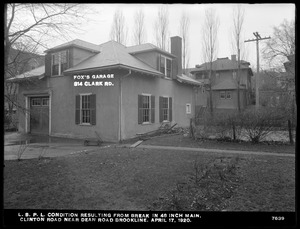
(39, 115)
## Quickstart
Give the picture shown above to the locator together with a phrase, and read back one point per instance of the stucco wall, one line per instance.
(225, 103)
(227, 75)
(149, 58)
(201, 97)
(63, 108)
(229, 103)
(134, 85)
(63, 94)
(63, 103)
(80, 54)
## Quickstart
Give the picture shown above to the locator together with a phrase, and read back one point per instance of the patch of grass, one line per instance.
(140, 179)
(206, 188)
(21, 150)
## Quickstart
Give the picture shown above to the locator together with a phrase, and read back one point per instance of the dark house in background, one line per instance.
(278, 88)
(224, 84)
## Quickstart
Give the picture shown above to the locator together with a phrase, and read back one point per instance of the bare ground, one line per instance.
(144, 179)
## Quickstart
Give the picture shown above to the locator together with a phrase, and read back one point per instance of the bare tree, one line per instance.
(139, 33)
(279, 54)
(28, 28)
(281, 45)
(184, 33)
(238, 21)
(161, 27)
(209, 44)
(118, 29)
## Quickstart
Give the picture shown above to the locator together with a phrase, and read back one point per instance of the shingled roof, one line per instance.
(113, 54)
(145, 48)
(35, 73)
(77, 43)
(186, 79)
(109, 55)
(221, 64)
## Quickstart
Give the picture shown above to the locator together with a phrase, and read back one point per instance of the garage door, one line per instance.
(39, 115)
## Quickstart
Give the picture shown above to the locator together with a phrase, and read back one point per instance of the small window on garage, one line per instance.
(45, 101)
(188, 108)
(36, 102)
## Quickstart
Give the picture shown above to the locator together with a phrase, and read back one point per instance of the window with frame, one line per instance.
(225, 95)
(188, 108)
(59, 62)
(85, 109)
(166, 66)
(165, 109)
(146, 106)
(234, 75)
(228, 95)
(222, 94)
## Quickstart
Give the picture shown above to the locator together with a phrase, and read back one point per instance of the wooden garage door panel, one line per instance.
(39, 115)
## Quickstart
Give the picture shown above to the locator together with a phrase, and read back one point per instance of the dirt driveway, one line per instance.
(24, 146)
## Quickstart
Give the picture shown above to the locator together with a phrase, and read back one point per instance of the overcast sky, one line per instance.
(258, 18)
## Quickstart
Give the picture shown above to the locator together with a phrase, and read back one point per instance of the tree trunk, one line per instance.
(238, 82)
(290, 132)
(210, 91)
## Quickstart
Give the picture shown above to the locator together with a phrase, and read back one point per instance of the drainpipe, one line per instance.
(120, 103)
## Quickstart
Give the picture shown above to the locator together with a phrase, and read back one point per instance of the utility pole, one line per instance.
(257, 39)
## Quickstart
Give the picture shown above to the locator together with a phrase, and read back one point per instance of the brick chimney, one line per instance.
(176, 50)
(233, 57)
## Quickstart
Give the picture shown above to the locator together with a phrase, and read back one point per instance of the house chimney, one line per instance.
(176, 50)
(233, 57)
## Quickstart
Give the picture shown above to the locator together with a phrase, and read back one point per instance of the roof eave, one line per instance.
(71, 45)
(113, 66)
(181, 80)
(153, 49)
(15, 80)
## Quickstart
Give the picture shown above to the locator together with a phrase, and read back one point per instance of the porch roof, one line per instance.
(35, 73)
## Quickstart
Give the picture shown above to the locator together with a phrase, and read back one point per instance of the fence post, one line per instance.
(191, 129)
(233, 131)
(290, 132)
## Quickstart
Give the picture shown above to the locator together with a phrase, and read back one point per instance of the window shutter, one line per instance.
(93, 109)
(158, 62)
(170, 109)
(70, 59)
(152, 108)
(160, 109)
(48, 64)
(140, 112)
(77, 109)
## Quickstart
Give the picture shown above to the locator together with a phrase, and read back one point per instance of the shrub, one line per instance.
(222, 125)
(258, 124)
(254, 125)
